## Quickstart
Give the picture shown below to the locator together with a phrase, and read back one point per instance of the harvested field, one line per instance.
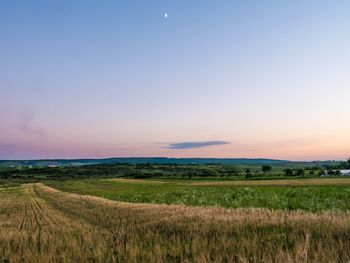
(40, 224)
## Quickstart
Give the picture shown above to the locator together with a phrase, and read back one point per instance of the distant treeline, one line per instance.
(341, 165)
(335, 169)
(148, 170)
(162, 160)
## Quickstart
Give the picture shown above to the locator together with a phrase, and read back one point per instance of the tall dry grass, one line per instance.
(40, 224)
(276, 182)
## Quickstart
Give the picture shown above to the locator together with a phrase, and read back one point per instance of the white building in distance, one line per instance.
(345, 172)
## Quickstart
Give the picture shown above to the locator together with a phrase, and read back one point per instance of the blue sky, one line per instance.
(117, 78)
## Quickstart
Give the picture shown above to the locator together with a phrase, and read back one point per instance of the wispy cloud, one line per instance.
(191, 145)
(25, 125)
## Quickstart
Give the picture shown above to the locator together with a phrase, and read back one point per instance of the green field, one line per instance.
(310, 195)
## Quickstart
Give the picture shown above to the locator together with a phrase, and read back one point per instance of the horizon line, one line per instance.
(165, 157)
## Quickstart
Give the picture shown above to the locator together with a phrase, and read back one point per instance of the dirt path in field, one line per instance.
(41, 224)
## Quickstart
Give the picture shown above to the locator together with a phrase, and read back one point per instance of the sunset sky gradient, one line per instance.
(221, 78)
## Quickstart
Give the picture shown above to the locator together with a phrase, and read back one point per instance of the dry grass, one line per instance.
(126, 180)
(276, 182)
(280, 182)
(40, 224)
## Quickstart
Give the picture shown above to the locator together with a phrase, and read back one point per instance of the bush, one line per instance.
(289, 172)
(142, 176)
(300, 172)
(266, 168)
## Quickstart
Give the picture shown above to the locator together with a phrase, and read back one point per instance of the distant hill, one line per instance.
(157, 160)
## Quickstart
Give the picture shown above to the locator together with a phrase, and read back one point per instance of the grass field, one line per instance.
(40, 224)
(313, 195)
(280, 182)
(266, 182)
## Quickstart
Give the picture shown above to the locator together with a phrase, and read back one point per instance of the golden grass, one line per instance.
(125, 180)
(277, 182)
(41, 224)
(280, 182)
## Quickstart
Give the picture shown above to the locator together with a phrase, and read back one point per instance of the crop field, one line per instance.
(41, 224)
(314, 195)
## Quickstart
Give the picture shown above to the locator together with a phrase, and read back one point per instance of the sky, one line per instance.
(175, 78)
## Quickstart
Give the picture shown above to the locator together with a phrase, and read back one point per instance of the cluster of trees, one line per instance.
(336, 172)
(122, 170)
(313, 171)
(147, 170)
(266, 168)
(68, 172)
(229, 170)
(341, 166)
(336, 169)
(294, 172)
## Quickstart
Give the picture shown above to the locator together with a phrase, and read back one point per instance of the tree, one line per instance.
(300, 172)
(322, 172)
(343, 165)
(5, 174)
(266, 168)
(235, 170)
(229, 170)
(330, 172)
(289, 172)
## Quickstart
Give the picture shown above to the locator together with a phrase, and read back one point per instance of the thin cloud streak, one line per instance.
(192, 145)
(25, 125)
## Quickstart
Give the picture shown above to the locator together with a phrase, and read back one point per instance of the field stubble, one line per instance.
(41, 224)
